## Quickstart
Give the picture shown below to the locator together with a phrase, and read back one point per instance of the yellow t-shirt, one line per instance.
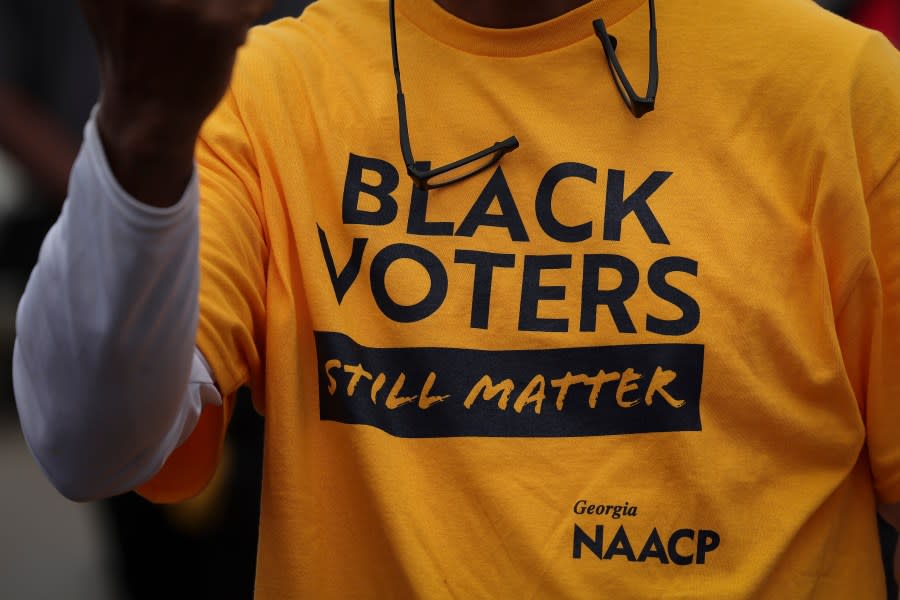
(643, 358)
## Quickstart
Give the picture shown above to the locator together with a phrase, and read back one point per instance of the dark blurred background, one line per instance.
(124, 548)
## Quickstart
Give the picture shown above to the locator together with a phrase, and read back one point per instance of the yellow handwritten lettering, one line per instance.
(532, 394)
(376, 387)
(596, 382)
(626, 385)
(486, 387)
(662, 378)
(563, 384)
(357, 372)
(329, 367)
(425, 398)
(395, 400)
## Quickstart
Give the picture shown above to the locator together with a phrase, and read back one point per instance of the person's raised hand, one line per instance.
(165, 64)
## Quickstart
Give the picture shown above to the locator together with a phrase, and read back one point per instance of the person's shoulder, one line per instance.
(327, 29)
(769, 26)
(812, 42)
(799, 26)
(330, 38)
(782, 47)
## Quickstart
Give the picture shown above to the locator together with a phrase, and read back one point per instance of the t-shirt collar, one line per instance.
(562, 31)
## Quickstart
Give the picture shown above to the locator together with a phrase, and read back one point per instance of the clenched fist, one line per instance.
(165, 64)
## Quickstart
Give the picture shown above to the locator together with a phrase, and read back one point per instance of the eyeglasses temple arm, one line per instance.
(405, 146)
(653, 81)
(639, 105)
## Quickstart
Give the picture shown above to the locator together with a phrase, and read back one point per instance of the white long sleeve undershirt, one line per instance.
(107, 379)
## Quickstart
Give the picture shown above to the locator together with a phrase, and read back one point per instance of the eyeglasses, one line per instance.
(638, 105)
(427, 179)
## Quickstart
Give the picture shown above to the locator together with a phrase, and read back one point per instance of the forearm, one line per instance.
(149, 152)
(105, 335)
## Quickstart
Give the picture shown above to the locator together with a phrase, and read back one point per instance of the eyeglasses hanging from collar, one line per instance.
(459, 170)
(427, 179)
(638, 105)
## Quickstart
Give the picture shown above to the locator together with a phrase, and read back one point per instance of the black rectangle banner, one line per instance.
(559, 392)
